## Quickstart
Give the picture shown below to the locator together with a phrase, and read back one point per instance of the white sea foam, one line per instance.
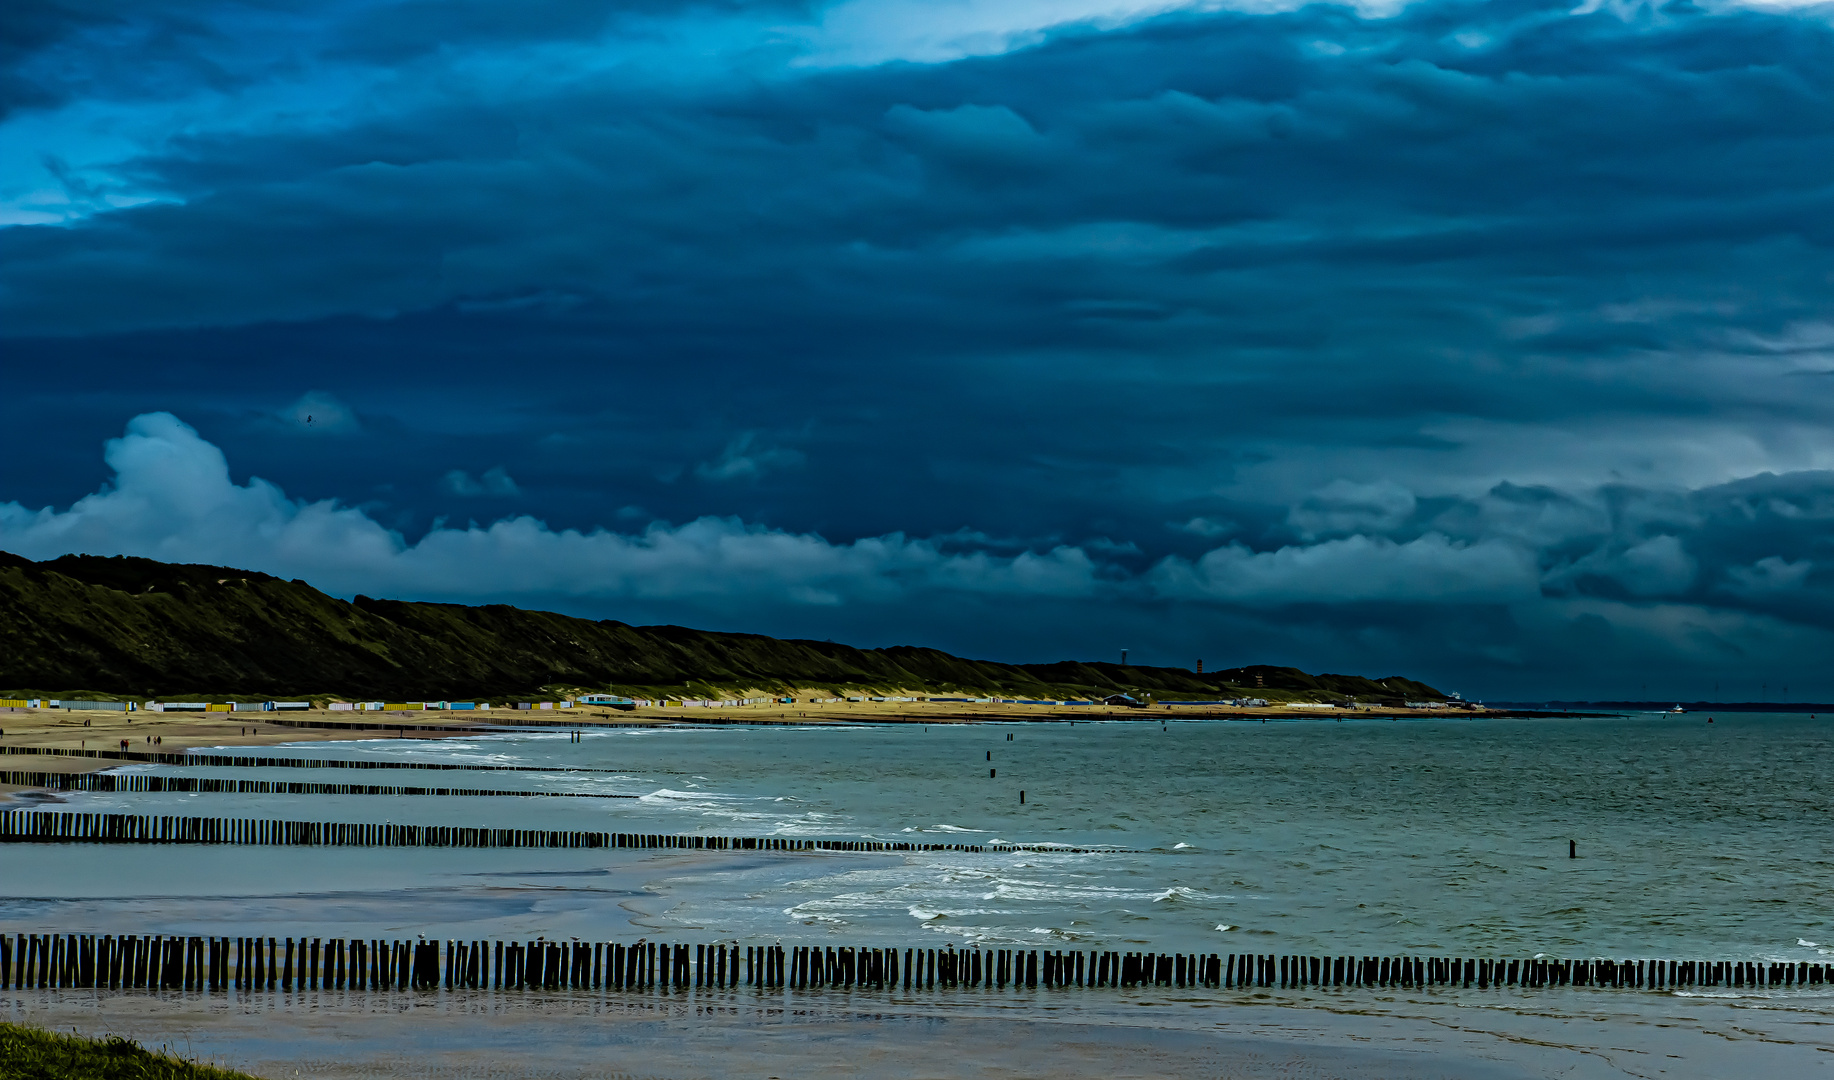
(1177, 892)
(670, 794)
(806, 914)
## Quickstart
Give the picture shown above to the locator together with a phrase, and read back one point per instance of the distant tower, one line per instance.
(1200, 667)
(1123, 657)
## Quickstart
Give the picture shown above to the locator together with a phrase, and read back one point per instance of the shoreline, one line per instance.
(178, 732)
(103, 730)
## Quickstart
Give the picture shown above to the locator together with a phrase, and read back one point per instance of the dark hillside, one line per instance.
(131, 627)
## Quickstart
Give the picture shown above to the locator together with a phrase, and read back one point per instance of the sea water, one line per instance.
(1449, 836)
(1358, 836)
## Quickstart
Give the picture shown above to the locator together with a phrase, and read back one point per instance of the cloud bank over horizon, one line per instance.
(1673, 569)
(1486, 341)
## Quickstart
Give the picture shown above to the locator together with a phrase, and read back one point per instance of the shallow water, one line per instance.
(1312, 836)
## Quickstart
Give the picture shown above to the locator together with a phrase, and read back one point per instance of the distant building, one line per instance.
(1128, 700)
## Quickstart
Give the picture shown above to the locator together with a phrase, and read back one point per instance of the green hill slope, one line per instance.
(128, 627)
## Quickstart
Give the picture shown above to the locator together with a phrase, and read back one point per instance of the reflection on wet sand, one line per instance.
(719, 1034)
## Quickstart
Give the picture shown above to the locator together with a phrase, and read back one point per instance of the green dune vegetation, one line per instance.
(30, 1054)
(126, 628)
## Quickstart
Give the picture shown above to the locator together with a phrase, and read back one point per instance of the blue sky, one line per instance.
(1488, 343)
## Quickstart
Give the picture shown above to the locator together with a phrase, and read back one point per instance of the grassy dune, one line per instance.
(31, 1054)
(131, 627)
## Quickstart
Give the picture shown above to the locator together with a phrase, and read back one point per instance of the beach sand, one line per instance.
(103, 730)
(736, 1035)
(181, 731)
(177, 732)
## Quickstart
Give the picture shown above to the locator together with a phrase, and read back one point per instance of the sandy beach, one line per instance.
(177, 732)
(738, 1035)
(100, 730)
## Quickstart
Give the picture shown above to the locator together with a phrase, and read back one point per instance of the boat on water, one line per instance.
(1676, 709)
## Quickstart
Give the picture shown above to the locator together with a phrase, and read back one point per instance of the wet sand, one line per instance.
(485, 1038)
(518, 893)
(717, 1034)
(181, 731)
(178, 732)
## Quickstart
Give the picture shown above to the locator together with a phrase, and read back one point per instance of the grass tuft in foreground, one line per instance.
(31, 1054)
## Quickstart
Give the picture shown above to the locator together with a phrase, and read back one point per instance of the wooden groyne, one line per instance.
(196, 785)
(242, 761)
(221, 964)
(32, 826)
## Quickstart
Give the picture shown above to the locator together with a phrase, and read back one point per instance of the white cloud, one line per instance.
(1343, 507)
(867, 32)
(1655, 567)
(1204, 527)
(745, 459)
(173, 499)
(494, 482)
(1356, 569)
(1770, 576)
(1659, 566)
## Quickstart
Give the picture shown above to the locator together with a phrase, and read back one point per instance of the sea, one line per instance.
(1694, 836)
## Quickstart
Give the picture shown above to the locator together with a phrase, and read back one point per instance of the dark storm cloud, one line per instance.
(1405, 153)
(1440, 340)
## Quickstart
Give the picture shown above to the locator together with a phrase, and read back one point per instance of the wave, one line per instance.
(1177, 892)
(1044, 892)
(800, 914)
(672, 795)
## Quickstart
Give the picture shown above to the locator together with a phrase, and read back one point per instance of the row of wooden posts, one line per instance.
(213, 964)
(31, 826)
(246, 761)
(191, 784)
